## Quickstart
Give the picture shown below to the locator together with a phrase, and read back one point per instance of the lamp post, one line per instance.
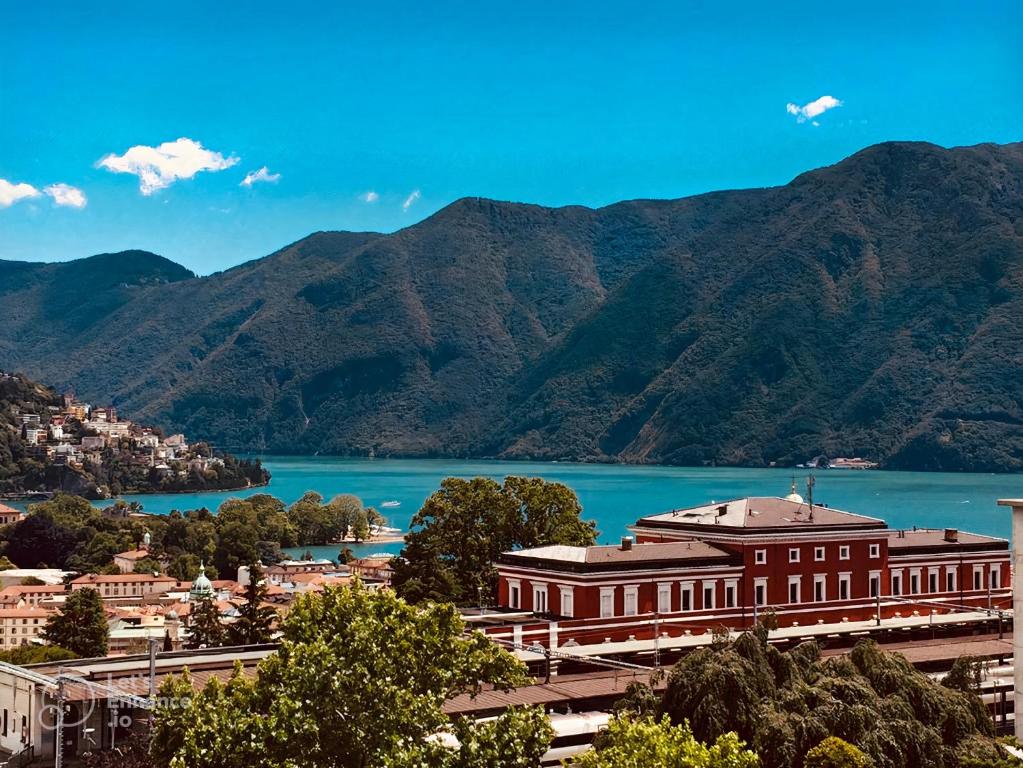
(1017, 605)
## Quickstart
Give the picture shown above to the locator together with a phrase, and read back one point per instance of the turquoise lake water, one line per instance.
(616, 495)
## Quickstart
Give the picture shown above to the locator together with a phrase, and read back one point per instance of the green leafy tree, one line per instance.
(205, 628)
(310, 519)
(835, 753)
(386, 669)
(341, 512)
(360, 525)
(80, 625)
(463, 527)
(783, 704)
(36, 654)
(186, 568)
(148, 565)
(650, 743)
(255, 620)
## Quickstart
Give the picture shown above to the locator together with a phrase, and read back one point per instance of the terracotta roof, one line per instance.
(563, 689)
(121, 578)
(23, 613)
(601, 558)
(134, 554)
(6, 510)
(757, 513)
(28, 589)
(935, 539)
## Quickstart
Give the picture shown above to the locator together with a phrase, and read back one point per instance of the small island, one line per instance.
(51, 442)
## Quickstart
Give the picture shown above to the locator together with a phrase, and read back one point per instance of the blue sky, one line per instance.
(553, 103)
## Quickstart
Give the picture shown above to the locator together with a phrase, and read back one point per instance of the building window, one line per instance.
(932, 580)
(995, 579)
(843, 552)
(730, 590)
(794, 589)
(760, 592)
(687, 595)
(875, 550)
(664, 598)
(844, 586)
(760, 557)
(539, 598)
(631, 601)
(514, 594)
(818, 554)
(914, 581)
(794, 555)
(708, 594)
(896, 583)
(978, 577)
(567, 601)
(950, 580)
(820, 589)
(875, 583)
(607, 602)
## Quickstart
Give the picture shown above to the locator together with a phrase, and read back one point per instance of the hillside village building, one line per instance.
(724, 564)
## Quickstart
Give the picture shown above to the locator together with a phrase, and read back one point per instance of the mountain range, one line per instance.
(871, 308)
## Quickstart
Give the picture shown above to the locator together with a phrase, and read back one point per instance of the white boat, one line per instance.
(391, 504)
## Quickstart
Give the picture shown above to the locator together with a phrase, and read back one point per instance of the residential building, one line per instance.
(125, 585)
(21, 626)
(10, 515)
(125, 561)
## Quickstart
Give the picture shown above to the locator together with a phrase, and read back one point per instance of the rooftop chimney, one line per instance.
(626, 543)
(951, 534)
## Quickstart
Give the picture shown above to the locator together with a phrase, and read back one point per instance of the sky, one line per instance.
(215, 133)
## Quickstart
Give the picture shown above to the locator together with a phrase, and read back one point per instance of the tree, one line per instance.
(205, 629)
(386, 669)
(784, 704)
(462, 528)
(835, 753)
(546, 513)
(255, 620)
(36, 654)
(186, 568)
(649, 743)
(147, 565)
(360, 525)
(309, 518)
(81, 624)
(341, 512)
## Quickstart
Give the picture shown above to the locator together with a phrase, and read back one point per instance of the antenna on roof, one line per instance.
(810, 482)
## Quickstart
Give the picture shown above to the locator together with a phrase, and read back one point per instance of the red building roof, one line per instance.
(760, 514)
(612, 558)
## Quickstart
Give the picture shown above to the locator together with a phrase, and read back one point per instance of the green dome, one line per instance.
(202, 586)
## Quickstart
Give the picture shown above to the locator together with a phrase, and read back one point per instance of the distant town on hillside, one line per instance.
(51, 442)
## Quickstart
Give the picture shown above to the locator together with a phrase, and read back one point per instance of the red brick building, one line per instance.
(722, 564)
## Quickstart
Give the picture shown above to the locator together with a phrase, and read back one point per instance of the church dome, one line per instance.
(202, 586)
(793, 496)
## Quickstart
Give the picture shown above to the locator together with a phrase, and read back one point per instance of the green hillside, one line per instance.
(871, 308)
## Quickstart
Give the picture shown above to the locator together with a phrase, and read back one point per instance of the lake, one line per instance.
(616, 495)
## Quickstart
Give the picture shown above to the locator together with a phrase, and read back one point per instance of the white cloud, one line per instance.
(411, 199)
(65, 194)
(813, 109)
(369, 197)
(159, 167)
(263, 174)
(12, 193)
